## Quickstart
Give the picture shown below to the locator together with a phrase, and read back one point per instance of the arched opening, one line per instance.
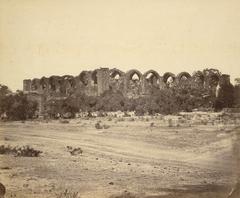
(116, 74)
(69, 79)
(83, 78)
(133, 83)
(183, 76)
(117, 77)
(52, 84)
(34, 84)
(44, 83)
(55, 82)
(133, 75)
(169, 79)
(152, 77)
(94, 77)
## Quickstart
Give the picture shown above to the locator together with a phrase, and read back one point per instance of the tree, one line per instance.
(18, 107)
(4, 91)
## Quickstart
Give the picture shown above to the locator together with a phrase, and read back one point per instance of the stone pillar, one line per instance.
(102, 80)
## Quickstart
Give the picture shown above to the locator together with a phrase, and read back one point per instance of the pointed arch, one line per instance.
(94, 77)
(54, 82)
(35, 83)
(132, 72)
(151, 72)
(183, 74)
(167, 75)
(70, 79)
(44, 82)
(83, 77)
(114, 72)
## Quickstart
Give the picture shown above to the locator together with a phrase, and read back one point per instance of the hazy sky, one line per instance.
(45, 37)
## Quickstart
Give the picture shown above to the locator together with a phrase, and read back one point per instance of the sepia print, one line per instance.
(119, 99)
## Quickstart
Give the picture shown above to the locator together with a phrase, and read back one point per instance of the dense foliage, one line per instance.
(182, 97)
(16, 106)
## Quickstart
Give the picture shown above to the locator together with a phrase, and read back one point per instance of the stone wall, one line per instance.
(131, 83)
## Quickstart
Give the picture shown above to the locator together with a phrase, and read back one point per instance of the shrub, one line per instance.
(74, 151)
(67, 194)
(24, 151)
(98, 126)
(18, 107)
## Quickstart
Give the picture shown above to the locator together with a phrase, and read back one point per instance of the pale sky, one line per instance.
(56, 37)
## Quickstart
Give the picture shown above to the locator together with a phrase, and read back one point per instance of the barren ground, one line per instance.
(192, 158)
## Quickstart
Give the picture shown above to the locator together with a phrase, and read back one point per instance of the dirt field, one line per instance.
(191, 155)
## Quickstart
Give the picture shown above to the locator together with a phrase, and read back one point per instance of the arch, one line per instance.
(44, 82)
(152, 77)
(54, 81)
(167, 75)
(83, 77)
(151, 72)
(132, 72)
(94, 77)
(70, 79)
(67, 77)
(183, 74)
(116, 72)
(35, 84)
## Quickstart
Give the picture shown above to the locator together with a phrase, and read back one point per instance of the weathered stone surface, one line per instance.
(132, 84)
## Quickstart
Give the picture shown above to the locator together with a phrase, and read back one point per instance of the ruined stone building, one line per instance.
(132, 83)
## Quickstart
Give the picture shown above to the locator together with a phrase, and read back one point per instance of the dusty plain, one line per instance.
(188, 155)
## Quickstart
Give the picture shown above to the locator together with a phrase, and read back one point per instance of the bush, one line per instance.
(18, 107)
(98, 126)
(68, 194)
(74, 151)
(24, 151)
